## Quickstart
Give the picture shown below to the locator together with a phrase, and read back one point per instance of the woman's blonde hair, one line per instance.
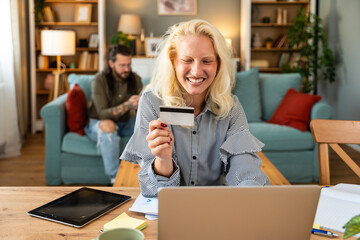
(164, 83)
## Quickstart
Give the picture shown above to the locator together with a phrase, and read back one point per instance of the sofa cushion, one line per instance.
(248, 91)
(281, 138)
(76, 112)
(75, 143)
(84, 81)
(273, 88)
(294, 110)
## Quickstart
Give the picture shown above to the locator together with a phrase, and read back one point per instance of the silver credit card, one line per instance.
(183, 116)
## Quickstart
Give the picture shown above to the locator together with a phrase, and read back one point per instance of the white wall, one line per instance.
(342, 24)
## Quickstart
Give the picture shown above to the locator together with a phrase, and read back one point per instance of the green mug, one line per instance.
(121, 234)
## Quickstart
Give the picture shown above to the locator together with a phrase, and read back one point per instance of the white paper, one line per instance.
(145, 205)
(151, 217)
(337, 205)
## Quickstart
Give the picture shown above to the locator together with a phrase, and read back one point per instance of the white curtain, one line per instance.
(10, 141)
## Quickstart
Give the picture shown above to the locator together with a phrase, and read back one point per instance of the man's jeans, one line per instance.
(109, 143)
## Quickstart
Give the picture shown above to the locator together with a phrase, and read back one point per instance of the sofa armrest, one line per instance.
(321, 110)
(54, 116)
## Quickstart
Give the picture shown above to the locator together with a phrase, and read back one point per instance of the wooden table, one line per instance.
(128, 172)
(16, 224)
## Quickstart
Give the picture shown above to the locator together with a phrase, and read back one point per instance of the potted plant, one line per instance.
(308, 37)
(268, 42)
(120, 38)
(352, 227)
(39, 11)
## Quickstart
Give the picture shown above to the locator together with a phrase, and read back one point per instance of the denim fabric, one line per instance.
(109, 143)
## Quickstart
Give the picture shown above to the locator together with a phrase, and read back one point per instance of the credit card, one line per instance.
(183, 116)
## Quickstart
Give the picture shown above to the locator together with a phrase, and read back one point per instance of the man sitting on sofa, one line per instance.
(115, 96)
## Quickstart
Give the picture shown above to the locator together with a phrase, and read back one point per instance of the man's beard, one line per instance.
(122, 76)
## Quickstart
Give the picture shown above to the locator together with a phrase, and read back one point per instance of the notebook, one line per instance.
(79, 207)
(124, 221)
(251, 213)
(337, 205)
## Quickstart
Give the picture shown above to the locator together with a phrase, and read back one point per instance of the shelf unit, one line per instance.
(252, 24)
(64, 12)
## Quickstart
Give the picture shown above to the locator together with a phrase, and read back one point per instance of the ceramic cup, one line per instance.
(121, 234)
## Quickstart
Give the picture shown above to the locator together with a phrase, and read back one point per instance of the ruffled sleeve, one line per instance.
(238, 152)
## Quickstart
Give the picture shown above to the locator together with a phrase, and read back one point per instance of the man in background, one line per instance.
(115, 96)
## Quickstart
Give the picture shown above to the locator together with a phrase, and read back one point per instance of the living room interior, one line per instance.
(24, 164)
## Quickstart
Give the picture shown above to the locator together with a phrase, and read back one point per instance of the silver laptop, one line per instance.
(271, 212)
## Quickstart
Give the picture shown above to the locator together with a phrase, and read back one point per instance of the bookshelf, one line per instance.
(60, 15)
(253, 13)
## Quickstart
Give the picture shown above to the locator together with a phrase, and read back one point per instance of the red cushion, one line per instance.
(76, 111)
(294, 110)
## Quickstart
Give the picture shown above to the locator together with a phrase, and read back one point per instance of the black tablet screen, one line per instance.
(79, 207)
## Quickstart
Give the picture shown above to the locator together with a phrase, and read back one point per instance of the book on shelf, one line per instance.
(83, 59)
(294, 60)
(37, 39)
(280, 41)
(49, 15)
(96, 61)
(90, 61)
(261, 63)
(283, 59)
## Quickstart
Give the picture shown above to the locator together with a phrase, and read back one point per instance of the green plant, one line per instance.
(266, 20)
(316, 58)
(120, 38)
(352, 227)
(39, 11)
(269, 39)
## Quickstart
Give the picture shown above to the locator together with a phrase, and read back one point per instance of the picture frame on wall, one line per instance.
(83, 13)
(94, 40)
(177, 7)
(151, 45)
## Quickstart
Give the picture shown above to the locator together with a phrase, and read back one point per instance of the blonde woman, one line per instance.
(194, 69)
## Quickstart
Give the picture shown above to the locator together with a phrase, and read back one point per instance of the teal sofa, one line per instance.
(73, 159)
(292, 151)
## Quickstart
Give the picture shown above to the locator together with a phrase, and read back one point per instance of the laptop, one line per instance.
(251, 213)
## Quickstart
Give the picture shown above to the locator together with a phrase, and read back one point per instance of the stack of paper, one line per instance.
(124, 221)
(337, 205)
(149, 206)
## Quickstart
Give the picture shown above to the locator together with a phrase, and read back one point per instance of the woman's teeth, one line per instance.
(195, 80)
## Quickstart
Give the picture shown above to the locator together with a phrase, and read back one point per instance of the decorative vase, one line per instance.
(257, 41)
(43, 61)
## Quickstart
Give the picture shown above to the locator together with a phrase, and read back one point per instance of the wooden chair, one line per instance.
(334, 132)
(127, 175)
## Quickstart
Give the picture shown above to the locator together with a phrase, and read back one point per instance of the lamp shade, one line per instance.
(57, 42)
(129, 24)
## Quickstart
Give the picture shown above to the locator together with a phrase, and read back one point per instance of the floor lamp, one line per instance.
(57, 43)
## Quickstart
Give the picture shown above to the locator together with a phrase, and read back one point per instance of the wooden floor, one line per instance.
(29, 169)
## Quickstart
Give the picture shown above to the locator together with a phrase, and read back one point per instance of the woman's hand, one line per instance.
(160, 141)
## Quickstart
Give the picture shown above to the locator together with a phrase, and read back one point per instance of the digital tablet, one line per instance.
(80, 207)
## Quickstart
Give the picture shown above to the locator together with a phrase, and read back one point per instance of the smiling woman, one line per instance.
(193, 69)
